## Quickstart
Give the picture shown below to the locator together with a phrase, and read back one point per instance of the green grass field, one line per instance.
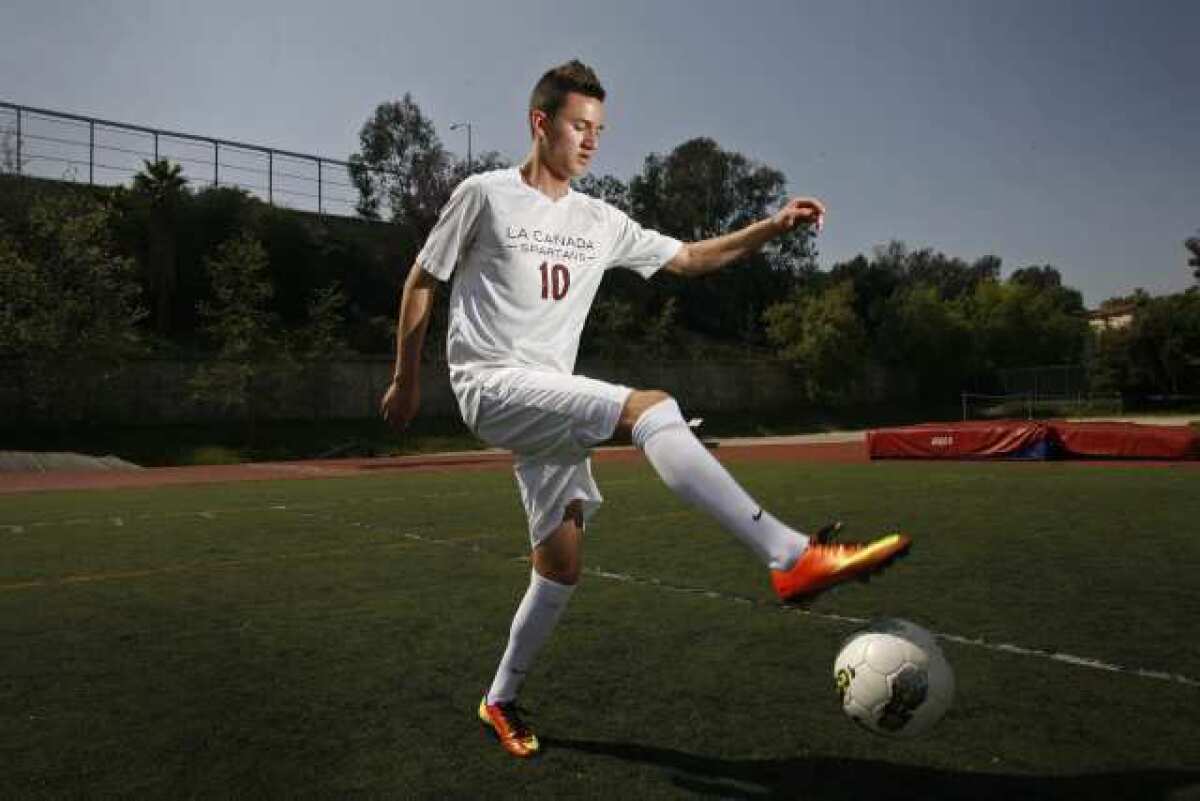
(330, 638)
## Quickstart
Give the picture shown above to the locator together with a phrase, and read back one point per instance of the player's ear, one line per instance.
(539, 122)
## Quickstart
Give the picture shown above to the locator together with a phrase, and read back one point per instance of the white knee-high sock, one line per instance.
(536, 617)
(687, 467)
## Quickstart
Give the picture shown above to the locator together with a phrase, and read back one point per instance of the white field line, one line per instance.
(407, 538)
(113, 521)
(191, 567)
(975, 642)
(215, 513)
(471, 543)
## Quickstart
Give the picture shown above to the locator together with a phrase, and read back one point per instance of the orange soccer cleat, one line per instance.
(515, 737)
(823, 565)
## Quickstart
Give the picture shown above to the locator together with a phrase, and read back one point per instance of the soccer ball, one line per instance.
(893, 678)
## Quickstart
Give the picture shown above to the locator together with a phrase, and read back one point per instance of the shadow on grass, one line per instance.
(833, 779)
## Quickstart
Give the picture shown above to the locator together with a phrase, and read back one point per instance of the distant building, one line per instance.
(1111, 317)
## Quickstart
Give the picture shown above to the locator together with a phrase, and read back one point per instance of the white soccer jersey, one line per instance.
(526, 269)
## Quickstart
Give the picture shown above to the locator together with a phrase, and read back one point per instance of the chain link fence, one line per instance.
(68, 147)
(1056, 390)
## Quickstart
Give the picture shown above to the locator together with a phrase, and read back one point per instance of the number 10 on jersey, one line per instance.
(556, 281)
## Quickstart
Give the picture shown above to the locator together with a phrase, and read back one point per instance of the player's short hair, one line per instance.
(551, 91)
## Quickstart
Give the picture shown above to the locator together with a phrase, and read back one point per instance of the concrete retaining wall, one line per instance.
(160, 391)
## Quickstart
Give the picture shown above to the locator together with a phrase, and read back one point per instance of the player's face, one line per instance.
(571, 138)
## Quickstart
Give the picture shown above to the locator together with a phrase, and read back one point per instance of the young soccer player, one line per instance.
(527, 253)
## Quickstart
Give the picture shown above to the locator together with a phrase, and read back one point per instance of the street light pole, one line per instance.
(467, 125)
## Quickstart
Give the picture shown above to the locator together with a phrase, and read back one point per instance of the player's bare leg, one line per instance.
(560, 556)
(557, 562)
(800, 567)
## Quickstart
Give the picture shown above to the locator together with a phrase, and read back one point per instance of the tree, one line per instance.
(700, 190)
(1039, 278)
(609, 188)
(946, 321)
(661, 335)
(158, 190)
(403, 171)
(1110, 365)
(1018, 325)
(1192, 245)
(482, 162)
(930, 338)
(239, 323)
(1164, 344)
(68, 305)
(401, 167)
(985, 268)
(323, 339)
(321, 343)
(874, 280)
(893, 267)
(824, 336)
(611, 329)
(1157, 353)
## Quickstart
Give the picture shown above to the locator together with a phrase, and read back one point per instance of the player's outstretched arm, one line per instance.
(403, 395)
(705, 256)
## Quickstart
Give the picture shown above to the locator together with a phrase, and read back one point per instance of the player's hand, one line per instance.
(800, 211)
(400, 402)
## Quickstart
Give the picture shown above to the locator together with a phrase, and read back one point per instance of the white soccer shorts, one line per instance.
(550, 421)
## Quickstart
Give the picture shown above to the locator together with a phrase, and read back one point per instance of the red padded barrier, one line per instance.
(1027, 439)
(1013, 439)
(1126, 441)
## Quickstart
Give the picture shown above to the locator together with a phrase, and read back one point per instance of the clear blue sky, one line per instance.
(1060, 132)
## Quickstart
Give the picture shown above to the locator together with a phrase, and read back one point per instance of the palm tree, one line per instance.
(160, 185)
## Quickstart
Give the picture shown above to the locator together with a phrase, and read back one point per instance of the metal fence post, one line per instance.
(156, 134)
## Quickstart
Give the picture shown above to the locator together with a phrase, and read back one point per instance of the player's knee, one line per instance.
(568, 577)
(639, 401)
(563, 572)
(653, 397)
(560, 557)
(572, 565)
